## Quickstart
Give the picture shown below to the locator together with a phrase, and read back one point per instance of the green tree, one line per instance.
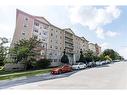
(3, 50)
(43, 63)
(89, 55)
(102, 57)
(82, 58)
(108, 58)
(64, 58)
(111, 53)
(25, 51)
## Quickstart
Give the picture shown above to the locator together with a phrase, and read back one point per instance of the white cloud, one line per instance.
(100, 33)
(111, 34)
(95, 18)
(105, 46)
(123, 52)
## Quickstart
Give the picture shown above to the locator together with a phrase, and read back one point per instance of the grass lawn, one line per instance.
(10, 75)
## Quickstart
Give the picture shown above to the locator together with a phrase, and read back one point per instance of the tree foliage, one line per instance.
(89, 56)
(3, 50)
(43, 63)
(25, 51)
(112, 54)
(64, 58)
(82, 58)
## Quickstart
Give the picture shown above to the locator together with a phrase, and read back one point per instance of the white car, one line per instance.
(103, 62)
(98, 63)
(79, 65)
(108, 61)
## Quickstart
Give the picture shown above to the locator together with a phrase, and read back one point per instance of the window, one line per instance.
(60, 37)
(26, 18)
(50, 54)
(43, 39)
(35, 30)
(60, 48)
(25, 25)
(51, 40)
(56, 47)
(35, 23)
(55, 60)
(40, 34)
(23, 33)
(45, 26)
(45, 33)
(43, 46)
(51, 46)
(56, 31)
(51, 34)
(52, 29)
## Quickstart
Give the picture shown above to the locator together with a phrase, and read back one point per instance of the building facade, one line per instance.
(54, 40)
(95, 48)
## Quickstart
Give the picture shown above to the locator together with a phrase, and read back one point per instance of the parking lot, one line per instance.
(111, 76)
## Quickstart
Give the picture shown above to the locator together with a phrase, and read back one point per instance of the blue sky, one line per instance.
(105, 25)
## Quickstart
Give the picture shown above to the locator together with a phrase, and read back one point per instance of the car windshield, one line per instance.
(64, 66)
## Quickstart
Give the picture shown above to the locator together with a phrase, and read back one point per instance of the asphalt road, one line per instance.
(111, 76)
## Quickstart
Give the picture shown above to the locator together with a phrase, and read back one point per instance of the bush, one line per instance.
(43, 63)
(65, 59)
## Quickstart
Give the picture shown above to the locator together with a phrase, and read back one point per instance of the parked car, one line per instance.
(98, 63)
(62, 69)
(108, 61)
(79, 65)
(103, 62)
(91, 64)
(116, 60)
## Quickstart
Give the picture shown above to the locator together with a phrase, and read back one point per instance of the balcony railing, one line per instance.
(66, 41)
(70, 47)
(69, 37)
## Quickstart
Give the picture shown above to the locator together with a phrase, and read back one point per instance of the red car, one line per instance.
(63, 69)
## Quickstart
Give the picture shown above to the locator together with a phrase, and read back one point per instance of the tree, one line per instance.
(102, 57)
(43, 63)
(89, 55)
(82, 58)
(3, 50)
(64, 58)
(111, 53)
(108, 58)
(25, 51)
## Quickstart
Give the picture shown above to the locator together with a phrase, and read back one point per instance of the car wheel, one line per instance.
(59, 71)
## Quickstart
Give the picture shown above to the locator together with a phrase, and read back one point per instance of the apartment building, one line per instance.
(98, 49)
(95, 48)
(80, 43)
(54, 39)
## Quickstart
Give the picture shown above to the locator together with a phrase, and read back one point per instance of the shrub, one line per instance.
(43, 63)
(64, 58)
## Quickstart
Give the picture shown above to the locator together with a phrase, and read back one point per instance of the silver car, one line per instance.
(79, 65)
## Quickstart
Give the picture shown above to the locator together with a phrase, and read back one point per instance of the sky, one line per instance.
(105, 25)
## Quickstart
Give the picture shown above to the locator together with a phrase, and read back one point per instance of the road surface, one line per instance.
(111, 76)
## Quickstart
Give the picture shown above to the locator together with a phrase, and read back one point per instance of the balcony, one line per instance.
(70, 47)
(69, 37)
(69, 51)
(69, 42)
